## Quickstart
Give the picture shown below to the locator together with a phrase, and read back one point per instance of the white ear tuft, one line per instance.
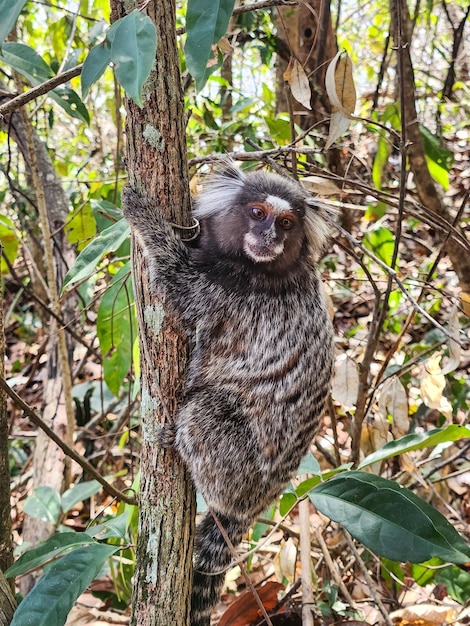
(318, 220)
(220, 190)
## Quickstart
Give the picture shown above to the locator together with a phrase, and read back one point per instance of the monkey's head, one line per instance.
(262, 218)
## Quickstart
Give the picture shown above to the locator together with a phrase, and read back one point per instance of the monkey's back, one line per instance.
(262, 359)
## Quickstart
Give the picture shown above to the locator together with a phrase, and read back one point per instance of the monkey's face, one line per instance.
(274, 231)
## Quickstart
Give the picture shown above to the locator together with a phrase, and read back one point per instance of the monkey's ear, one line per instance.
(319, 218)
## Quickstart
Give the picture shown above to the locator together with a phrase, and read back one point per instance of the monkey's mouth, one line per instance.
(261, 252)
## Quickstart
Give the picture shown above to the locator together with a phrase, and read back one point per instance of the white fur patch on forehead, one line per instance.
(279, 205)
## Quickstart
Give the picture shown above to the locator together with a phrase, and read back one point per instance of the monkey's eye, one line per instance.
(286, 223)
(257, 213)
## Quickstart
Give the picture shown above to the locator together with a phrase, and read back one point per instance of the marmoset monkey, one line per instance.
(250, 297)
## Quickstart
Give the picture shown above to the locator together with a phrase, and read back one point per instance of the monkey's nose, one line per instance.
(270, 234)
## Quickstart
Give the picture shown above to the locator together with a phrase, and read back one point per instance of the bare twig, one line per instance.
(40, 90)
(400, 285)
(308, 601)
(250, 585)
(70, 452)
(335, 573)
(369, 581)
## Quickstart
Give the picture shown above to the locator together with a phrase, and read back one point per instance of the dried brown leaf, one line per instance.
(298, 82)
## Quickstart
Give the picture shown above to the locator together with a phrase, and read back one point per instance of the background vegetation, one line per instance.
(397, 271)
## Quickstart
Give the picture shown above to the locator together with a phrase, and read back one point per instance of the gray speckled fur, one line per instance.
(261, 364)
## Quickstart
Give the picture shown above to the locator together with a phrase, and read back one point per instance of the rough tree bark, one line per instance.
(425, 186)
(157, 167)
(7, 599)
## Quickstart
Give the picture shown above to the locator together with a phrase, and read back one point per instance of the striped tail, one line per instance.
(211, 555)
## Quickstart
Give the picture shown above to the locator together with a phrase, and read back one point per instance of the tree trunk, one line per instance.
(425, 185)
(6, 540)
(157, 168)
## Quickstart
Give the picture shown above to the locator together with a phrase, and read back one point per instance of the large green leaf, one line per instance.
(206, 23)
(26, 61)
(389, 519)
(9, 12)
(133, 47)
(95, 64)
(51, 600)
(32, 66)
(47, 551)
(43, 504)
(108, 241)
(417, 441)
(116, 328)
(78, 493)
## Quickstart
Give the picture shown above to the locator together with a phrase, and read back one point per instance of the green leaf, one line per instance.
(457, 582)
(108, 241)
(81, 226)
(309, 465)
(417, 441)
(47, 551)
(71, 102)
(29, 64)
(115, 528)
(94, 65)
(116, 328)
(9, 12)
(389, 519)
(78, 493)
(286, 502)
(380, 161)
(26, 61)
(43, 504)
(375, 211)
(105, 213)
(424, 573)
(51, 600)
(311, 483)
(439, 174)
(279, 129)
(133, 48)
(206, 23)
(434, 149)
(9, 243)
(380, 241)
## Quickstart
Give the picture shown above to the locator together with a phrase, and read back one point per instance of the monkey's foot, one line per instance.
(166, 436)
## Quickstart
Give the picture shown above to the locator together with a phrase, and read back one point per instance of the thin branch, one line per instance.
(369, 581)
(250, 585)
(70, 452)
(63, 324)
(393, 274)
(308, 600)
(40, 90)
(334, 570)
(420, 297)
